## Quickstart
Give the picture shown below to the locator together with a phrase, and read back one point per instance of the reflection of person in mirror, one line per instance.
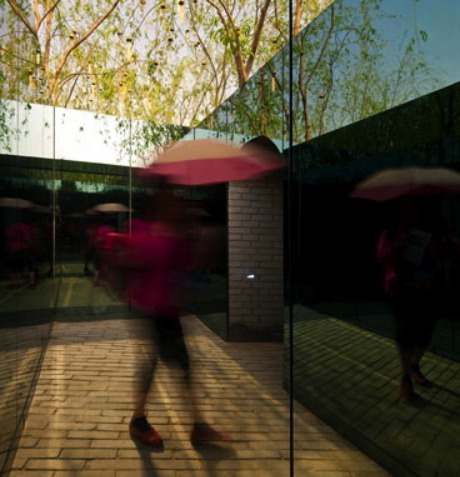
(90, 244)
(416, 255)
(20, 246)
(157, 255)
(101, 246)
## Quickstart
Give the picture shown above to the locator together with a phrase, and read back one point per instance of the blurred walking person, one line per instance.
(20, 244)
(157, 256)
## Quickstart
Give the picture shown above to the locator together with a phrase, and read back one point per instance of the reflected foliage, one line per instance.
(356, 59)
(5, 128)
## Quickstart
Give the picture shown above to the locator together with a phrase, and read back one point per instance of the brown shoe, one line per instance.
(419, 377)
(406, 390)
(140, 428)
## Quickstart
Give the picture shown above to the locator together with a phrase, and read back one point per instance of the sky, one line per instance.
(443, 30)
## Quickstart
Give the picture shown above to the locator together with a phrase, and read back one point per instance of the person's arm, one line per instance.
(384, 248)
(388, 249)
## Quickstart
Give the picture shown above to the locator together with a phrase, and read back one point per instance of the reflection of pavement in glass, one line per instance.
(69, 289)
(349, 376)
(24, 298)
(375, 316)
(20, 359)
(78, 421)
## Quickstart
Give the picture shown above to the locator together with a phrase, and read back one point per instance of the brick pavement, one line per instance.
(78, 421)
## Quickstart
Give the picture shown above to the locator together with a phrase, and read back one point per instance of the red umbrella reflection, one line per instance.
(110, 207)
(408, 181)
(210, 161)
(15, 203)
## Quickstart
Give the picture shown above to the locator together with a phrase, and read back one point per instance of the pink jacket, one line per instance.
(386, 255)
(156, 258)
(19, 237)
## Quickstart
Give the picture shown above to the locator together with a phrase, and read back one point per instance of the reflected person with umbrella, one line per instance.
(417, 254)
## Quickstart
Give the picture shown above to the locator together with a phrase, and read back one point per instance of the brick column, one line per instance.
(255, 258)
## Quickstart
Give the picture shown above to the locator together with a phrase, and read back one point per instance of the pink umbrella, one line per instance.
(109, 207)
(394, 183)
(14, 202)
(210, 161)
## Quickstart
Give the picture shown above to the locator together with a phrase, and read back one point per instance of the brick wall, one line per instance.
(255, 257)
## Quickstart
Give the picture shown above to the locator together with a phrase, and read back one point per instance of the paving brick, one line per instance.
(32, 473)
(152, 472)
(88, 454)
(77, 428)
(85, 473)
(55, 464)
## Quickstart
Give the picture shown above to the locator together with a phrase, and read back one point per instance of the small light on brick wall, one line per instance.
(250, 276)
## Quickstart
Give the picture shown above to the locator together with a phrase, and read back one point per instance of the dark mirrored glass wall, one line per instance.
(46, 207)
(373, 86)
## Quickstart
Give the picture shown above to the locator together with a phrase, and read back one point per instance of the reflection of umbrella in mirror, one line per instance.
(409, 181)
(210, 161)
(42, 209)
(109, 207)
(15, 202)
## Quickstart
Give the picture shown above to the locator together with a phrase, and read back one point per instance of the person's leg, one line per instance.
(173, 349)
(417, 356)
(405, 359)
(140, 399)
(427, 314)
(146, 368)
(31, 271)
(416, 373)
(404, 324)
(32, 279)
(406, 390)
(97, 262)
(139, 425)
(88, 260)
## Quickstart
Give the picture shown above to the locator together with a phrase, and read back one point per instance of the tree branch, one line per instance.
(297, 17)
(20, 14)
(236, 49)
(256, 38)
(324, 46)
(78, 42)
(47, 14)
